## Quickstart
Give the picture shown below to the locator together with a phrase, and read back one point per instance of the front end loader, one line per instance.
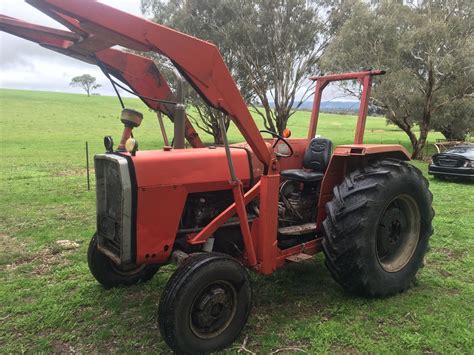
(218, 211)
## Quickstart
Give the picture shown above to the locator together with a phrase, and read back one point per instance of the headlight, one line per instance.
(109, 144)
(467, 164)
(431, 161)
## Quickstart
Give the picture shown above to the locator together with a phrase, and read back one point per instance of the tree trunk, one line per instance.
(216, 133)
(281, 123)
(426, 118)
(417, 152)
(268, 122)
(282, 115)
(421, 142)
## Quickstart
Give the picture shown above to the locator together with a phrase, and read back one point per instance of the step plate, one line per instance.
(298, 230)
(297, 258)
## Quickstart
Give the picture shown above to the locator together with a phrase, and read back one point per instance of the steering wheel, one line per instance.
(279, 138)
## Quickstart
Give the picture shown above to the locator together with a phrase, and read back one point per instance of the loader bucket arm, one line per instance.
(198, 61)
(139, 73)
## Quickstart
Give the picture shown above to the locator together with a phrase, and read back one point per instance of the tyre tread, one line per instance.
(350, 210)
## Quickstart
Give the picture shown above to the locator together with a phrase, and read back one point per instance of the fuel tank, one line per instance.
(196, 170)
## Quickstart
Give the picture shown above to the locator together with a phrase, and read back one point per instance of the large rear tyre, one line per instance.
(205, 304)
(377, 228)
(109, 274)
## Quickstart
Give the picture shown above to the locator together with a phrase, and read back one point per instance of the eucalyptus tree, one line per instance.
(427, 51)
(270, 46)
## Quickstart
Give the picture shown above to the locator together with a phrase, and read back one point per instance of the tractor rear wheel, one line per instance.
(109, 274)
(205, 304)
(377, 228)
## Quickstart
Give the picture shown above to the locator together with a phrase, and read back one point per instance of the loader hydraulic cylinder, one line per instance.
(179, 113)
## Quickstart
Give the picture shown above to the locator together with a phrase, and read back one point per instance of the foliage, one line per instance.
(270, 46)
(427, 51)
(86, 82)
(51, 303)
(456, 119)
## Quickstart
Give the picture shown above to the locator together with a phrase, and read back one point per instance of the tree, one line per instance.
(204, 116)
(427, 52)
(269, 46)
(455, 120)
(209, 120)
(86, 82)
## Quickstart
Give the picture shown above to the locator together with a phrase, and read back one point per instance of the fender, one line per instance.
(346, 158)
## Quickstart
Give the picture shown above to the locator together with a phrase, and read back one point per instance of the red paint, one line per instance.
(365, 78)
(158, 214)
(244, 223)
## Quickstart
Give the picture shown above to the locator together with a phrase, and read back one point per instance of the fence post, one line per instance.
(87, 165)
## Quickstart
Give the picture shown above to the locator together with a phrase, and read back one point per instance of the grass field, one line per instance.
(50, 302)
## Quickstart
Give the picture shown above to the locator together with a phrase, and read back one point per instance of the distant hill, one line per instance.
(332, 106)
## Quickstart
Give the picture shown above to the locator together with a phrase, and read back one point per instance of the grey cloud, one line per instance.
(26, 65)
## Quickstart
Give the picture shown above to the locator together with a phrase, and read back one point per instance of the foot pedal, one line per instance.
(297, 258)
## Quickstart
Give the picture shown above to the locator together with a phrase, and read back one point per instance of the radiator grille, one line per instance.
(113, 190)
(448, 161)
(109, 192)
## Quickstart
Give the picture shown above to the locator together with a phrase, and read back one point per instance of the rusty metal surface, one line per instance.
(298, 230)
(297, 258)
(368, 149)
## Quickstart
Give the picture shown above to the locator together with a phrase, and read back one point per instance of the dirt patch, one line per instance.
(11, 246)
(62, 348)
(453, 254)
(445, 273)
(72, 172)
(377, 130)
(250, 346)
(454, 291)
(44, 259)
(341, 349)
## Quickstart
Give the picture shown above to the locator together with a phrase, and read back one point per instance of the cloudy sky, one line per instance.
(26, 65)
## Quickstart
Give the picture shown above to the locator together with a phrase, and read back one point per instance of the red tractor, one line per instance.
(218, 210)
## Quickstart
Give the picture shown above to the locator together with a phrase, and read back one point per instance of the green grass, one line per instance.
(50, 302)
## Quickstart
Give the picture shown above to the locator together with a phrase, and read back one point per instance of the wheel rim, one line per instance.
(398, 233)
(213, 309)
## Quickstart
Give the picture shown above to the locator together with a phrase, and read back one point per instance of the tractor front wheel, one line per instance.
(377, 228)
(205, 304)
(109, 274)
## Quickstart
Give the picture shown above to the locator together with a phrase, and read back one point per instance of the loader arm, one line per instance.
(139, 73)
(198, 61)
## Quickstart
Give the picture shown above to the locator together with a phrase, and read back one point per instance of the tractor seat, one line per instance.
(315, 161)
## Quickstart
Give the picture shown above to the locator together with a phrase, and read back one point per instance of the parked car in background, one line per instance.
(456, 162)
